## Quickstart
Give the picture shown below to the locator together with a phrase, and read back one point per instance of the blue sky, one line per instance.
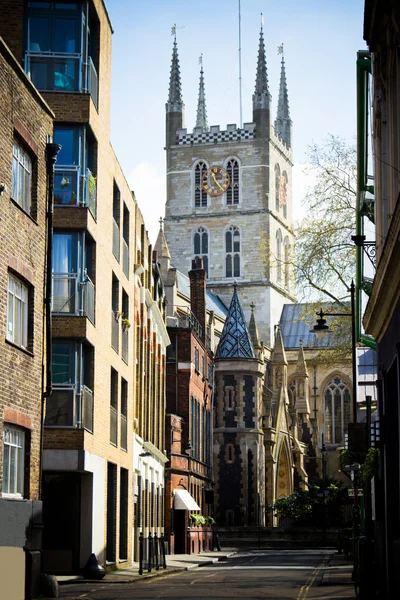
(321, 38)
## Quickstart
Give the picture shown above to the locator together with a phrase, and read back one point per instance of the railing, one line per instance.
(125, 345)
(71, 296)
(90, 196)
(189, 321)
(124, 432)
(115, 330)
(62, 72)
(113, 425)
(115, 240)
(68, 408)
(125, 258)
(71, 188)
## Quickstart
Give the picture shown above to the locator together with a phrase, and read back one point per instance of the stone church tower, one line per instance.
(229, 197)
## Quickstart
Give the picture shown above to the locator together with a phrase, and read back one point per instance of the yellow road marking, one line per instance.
(306, 587)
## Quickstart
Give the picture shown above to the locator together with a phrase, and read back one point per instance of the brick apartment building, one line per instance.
(26, 125)
(103, 447)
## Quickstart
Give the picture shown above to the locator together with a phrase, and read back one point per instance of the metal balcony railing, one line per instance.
(115, 240)
(72, 188)
(189, 321)
(115, 330)
(124, 432)
(125, 345)
(62, 72)
(113, 425)
(73, 297)
(66, 407)
(125, 258)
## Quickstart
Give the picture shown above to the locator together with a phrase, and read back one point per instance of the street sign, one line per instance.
(350, 492)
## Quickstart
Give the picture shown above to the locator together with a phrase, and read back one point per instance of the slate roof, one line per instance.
(293, 326)
(213, 302)
(235, 340)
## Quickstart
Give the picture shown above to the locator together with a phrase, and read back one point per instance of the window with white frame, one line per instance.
(13, 460)
(232, 250)
(337, 410)
(17, 312)
(232, 193)
(200, 195)
(21, 191)
(279, 255)
(200, 246)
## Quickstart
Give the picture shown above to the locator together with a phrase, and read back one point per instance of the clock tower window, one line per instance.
(277, 186)
(232, 193)
(200, 195)
(232, 248)
(200, 246)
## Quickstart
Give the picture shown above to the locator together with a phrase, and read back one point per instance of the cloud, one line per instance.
(148, 183)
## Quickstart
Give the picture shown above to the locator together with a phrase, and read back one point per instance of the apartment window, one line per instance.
(116, 221)
(124, 414)
(337, 410)
(232, 193)
(13, 460)
(200, 196)
(200, 246)
(196, 359)
(232, 248)
(21, 191)
(17, 312)
(114, 408)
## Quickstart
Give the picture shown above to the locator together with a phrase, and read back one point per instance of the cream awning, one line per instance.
(184, 501)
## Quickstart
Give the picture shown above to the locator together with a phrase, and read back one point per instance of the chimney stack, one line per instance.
(197, 278)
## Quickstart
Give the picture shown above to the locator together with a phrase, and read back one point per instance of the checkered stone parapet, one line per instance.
(214, 136)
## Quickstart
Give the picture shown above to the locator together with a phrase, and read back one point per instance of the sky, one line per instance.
(320, 37)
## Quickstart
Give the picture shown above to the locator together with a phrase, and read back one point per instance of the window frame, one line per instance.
(23, 340)
(279, 265)
(232, 253)
(197, 184)
(238, 183)
(330, 387)
(20, 152)
(277, 173)
(201, 232)
(19, 463)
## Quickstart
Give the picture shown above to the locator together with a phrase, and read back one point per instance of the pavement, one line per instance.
(338, 571)
(175, 564)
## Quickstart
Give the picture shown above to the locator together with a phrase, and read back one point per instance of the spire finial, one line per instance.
(161, 221)
(283, 123)
(261, 96)
(262, 21)
(173, 32)
(201, 120)
(174, 103)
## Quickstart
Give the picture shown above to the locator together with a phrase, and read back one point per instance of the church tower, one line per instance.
(229, 197)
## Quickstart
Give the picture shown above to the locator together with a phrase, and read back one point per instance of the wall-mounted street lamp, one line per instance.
(321, 329)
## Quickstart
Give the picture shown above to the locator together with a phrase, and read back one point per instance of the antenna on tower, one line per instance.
(240, 68)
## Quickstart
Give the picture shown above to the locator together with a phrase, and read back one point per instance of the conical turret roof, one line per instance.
(235, 339)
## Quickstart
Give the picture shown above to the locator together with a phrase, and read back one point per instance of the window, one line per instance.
(229, 398)
(230, 453)
(116, 221)
(200, 196)
(124, 414)
(283, 193)
(286, 265)
(277, 185)
(17, 312)
(13, 460)
(279, 255)
(114, 407)
(200, 246)
(232, 249)
(337, 410)
(196, 358)
(21, 177)
(232, 193)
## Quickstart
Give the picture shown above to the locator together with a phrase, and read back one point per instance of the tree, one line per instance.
(324, 259)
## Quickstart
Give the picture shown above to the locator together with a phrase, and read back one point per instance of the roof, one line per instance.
(235, 340)
(293, 327)
(213, 302)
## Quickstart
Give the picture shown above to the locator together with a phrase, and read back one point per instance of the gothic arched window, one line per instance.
(200, 246)
(232, 249)
(337, 410)
(279, 255)
(200, 196)
(232, 193)
(286, 259)
(277, 185)
(283, 191)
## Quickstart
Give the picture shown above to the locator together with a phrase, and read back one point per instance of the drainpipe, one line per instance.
(363, 70)
(52, 151)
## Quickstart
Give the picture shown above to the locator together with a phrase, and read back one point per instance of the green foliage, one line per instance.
(370, 466)
(196, 520)
(210, 521)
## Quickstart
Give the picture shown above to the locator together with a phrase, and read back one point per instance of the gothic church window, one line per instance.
(232, 249)
(232, 193)
(200, 196)
(286, 269)
(336, 410)
(283, 193)
(277, 185)
(200, 246)
(279, 255)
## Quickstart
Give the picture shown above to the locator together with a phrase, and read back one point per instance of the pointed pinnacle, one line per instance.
(201, 120)
(261, 96)
(175, 90)
(283, 123)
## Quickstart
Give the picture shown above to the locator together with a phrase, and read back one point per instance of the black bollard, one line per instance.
(141, 553)
(217, 542)
(156, 551)
(150, 553)
(162, 548)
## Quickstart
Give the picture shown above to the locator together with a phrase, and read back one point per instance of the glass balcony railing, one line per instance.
(71, 188)
(66, 407)
(115, 240)
(125, 258)
(124, 432)
(113, 425)
(62, 72)
(115, 330)
(125, 345)
(73, 297)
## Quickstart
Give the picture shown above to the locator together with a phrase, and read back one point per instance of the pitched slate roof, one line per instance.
(235, 340)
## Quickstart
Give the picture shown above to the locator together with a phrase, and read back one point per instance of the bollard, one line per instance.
(150, 553)
(162, 548)
(140, 553)
(156, 551)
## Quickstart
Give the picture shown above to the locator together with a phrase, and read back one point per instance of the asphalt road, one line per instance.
(251, 574)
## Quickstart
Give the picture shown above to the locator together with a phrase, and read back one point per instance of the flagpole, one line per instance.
(240, 68)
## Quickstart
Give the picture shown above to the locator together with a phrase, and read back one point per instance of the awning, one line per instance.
(184, 501)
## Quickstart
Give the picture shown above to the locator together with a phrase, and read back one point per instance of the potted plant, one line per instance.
(125, 324)
(196, 520)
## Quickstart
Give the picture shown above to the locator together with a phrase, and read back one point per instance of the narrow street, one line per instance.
(277, 575)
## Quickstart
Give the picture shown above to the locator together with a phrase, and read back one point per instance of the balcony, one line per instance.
(115, 240)
(115, 330)
(113, 425)
(62, 72)
(66, 407)
(71, 188)
(125, 258)
(71, 296)
(124, 432)
(125, 345)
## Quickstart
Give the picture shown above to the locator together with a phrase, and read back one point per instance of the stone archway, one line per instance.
(284, 473)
